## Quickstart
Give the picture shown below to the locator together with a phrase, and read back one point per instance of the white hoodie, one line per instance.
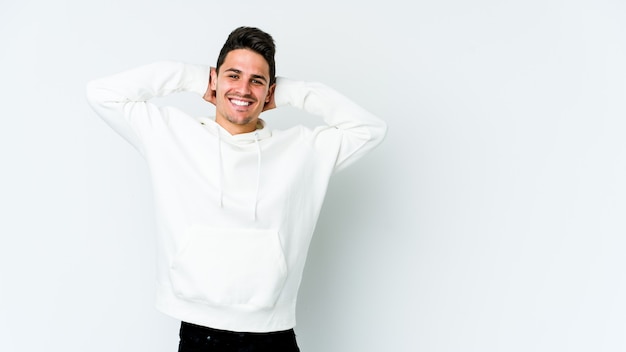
(235, 213)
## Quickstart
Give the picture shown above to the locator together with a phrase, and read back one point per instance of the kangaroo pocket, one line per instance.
(230, 267)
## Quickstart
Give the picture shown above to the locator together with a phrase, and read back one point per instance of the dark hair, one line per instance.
(253, 39)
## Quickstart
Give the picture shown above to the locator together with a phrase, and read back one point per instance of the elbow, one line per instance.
(98, 94)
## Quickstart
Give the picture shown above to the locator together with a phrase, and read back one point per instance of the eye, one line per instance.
(234, 76)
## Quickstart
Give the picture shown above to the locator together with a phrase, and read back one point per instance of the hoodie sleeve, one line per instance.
(353, 129)
(122, 100)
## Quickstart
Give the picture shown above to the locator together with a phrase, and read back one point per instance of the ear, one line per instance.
(213, 79)
(270, 93)
(269, 98)
(210, 93)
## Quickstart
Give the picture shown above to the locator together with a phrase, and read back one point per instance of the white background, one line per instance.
(491, 218)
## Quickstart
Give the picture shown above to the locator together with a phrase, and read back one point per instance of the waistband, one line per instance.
(189, 328)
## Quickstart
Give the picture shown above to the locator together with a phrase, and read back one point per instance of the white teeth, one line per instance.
(240, 103)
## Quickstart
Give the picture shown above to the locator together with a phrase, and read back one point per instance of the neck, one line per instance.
(233, 128)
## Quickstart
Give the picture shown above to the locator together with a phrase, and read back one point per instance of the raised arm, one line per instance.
(122, 100)
(356, 130)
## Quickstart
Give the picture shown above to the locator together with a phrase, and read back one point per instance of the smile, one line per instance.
(240, 102)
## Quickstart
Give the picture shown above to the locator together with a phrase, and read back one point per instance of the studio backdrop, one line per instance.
(492, 218)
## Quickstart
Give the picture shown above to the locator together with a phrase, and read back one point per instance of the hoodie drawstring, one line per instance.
(258, 176)
(221, 173)
(220, 168)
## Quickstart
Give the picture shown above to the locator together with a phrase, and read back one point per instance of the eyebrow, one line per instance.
(239, 72)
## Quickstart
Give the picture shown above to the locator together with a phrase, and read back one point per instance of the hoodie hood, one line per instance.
(260, 133)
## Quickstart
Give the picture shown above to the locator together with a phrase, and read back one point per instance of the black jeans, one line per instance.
(195, 338)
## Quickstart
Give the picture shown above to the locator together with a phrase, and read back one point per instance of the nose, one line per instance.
(243, 87)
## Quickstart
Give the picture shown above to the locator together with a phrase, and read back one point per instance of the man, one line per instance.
(236, 202)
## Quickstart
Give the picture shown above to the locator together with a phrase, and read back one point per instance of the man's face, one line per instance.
(242, 88)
